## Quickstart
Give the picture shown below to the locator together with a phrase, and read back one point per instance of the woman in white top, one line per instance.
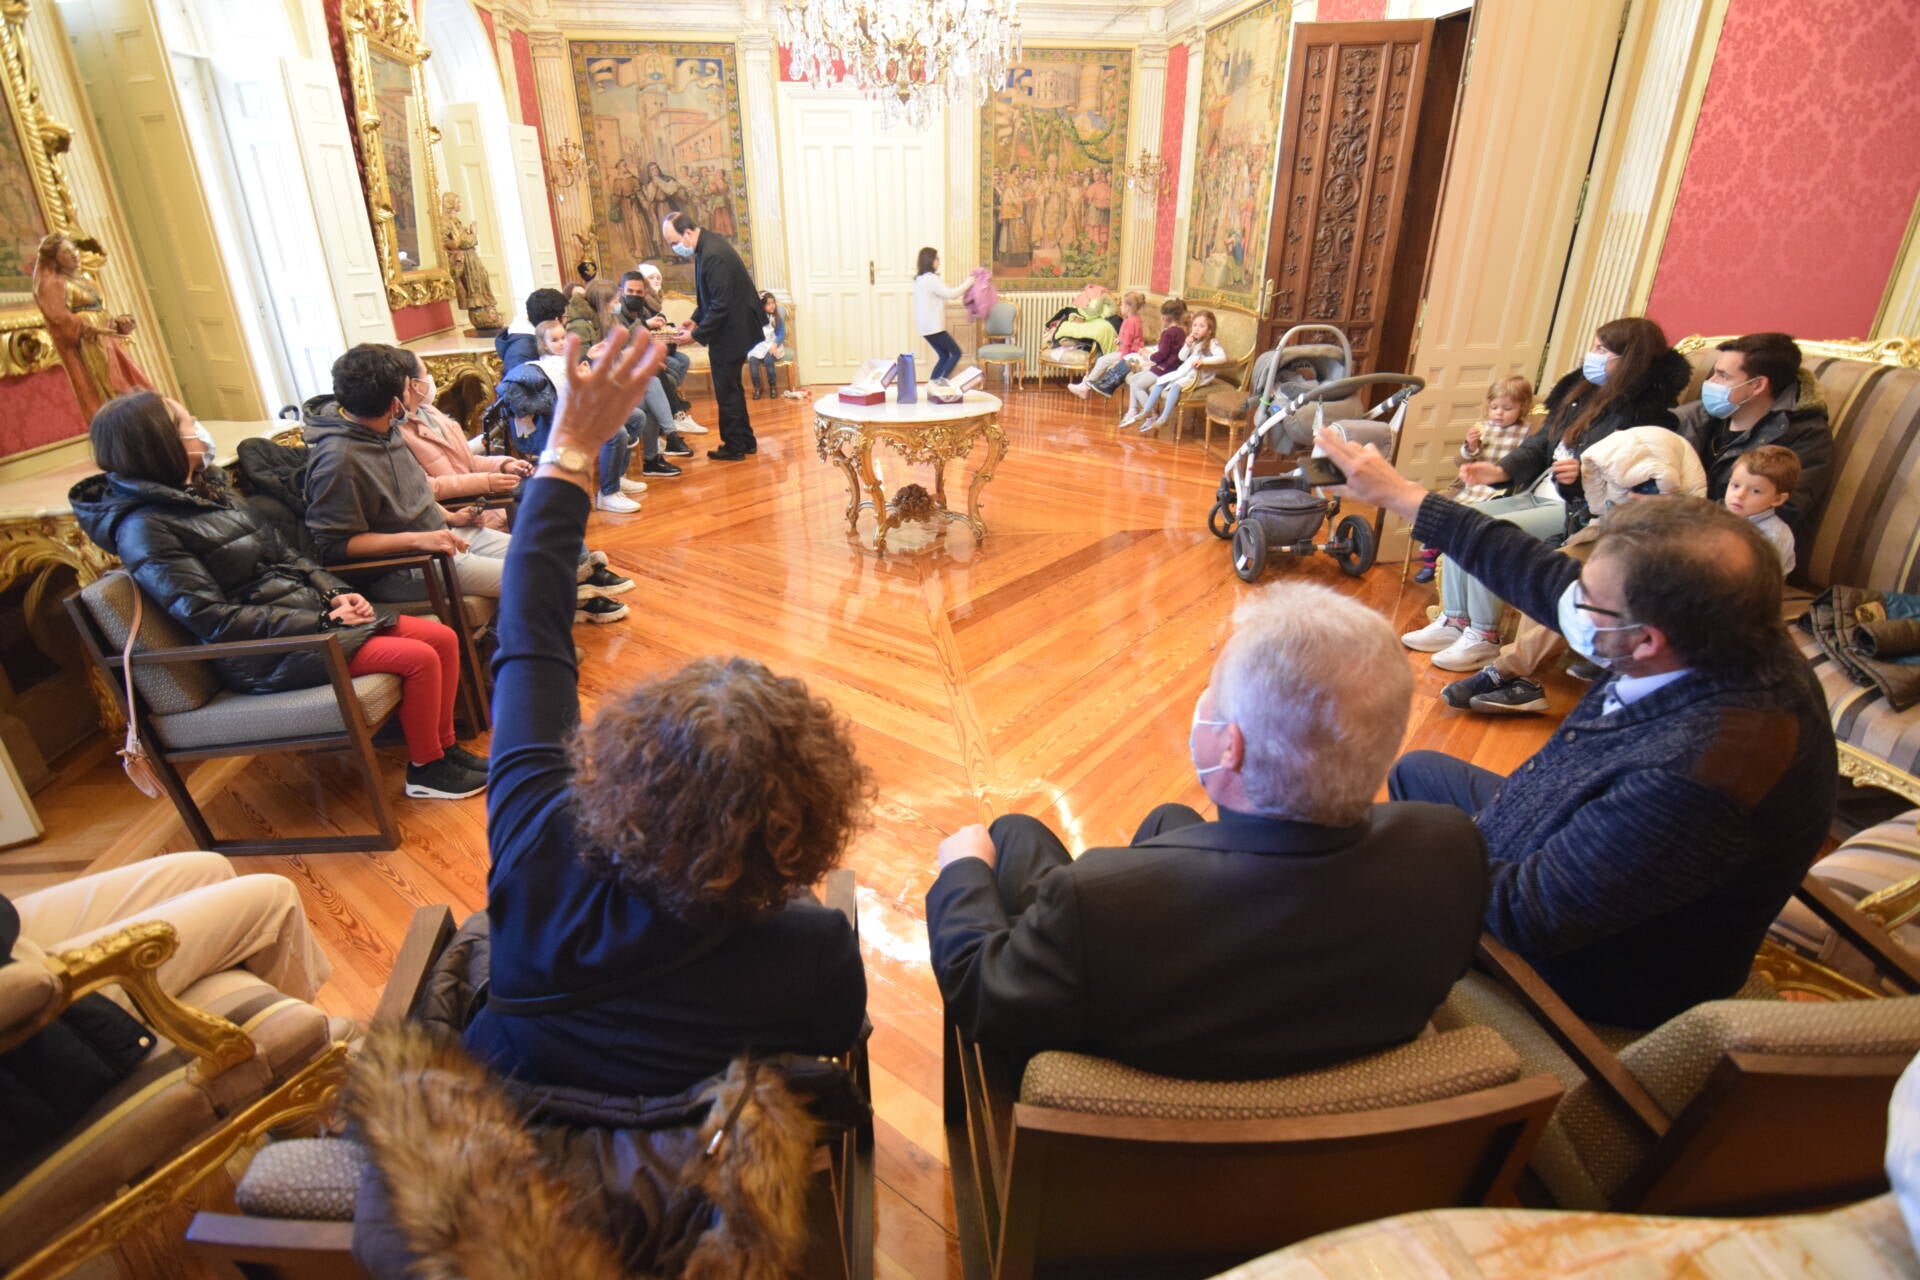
(1154, 402)
(930, 294)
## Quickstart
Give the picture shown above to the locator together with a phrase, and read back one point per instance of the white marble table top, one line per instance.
(451, 343)
(889, 411)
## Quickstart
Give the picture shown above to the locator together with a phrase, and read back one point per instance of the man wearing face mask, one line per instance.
(727, 320)
(1640, 855)
(1305, 925)
(1753, 397)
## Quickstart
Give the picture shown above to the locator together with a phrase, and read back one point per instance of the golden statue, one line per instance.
(471, 289)
(91, 344)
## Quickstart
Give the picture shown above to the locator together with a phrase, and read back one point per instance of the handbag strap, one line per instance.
(126, 656)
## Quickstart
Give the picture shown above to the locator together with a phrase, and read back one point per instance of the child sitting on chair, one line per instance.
(1763, 480)
(1131, 339)
(1502, 426)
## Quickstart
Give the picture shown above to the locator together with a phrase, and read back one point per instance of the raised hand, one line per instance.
(1370, 477)
(599, 399)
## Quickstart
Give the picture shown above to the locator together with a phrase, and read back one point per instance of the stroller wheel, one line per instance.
(1249, 551)
(1220, 520)
(1353, 546)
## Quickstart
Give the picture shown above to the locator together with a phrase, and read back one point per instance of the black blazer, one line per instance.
(1234, 949)
(726, 315)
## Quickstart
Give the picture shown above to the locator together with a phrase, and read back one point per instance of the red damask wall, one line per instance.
(1173, 123)
(1351, 11)
(38, 409)
(1802, 173)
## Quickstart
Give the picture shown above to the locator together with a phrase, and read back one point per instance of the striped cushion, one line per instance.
(1880, 856)
(157, 1113)
(1869, 531)
(1426, 1070)
(241, 717)
(169, 688)
(1861, 716)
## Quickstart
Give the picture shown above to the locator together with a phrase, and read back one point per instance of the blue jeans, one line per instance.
(767, 365)
(1160, 402)
(614, 455)
(947, 352)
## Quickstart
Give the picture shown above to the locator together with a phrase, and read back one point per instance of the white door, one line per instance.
(538, 214)
(339, 204)
(861, 199)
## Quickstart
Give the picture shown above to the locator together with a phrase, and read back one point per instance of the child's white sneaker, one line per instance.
(1435, 637)
(1472, 651)
(1078, 388)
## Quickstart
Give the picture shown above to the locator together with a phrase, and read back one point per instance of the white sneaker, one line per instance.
(686, 426)
(1472, 651)
(632, 486)
(1078, 388)
(1128, 421)
(618, 502)
(1432, 638)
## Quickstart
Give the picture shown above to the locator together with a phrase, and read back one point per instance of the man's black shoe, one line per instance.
(660, 469)
(754, 447)
(675, 445)
(726, 455)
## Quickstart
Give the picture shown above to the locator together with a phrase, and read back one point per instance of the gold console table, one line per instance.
(846, 434)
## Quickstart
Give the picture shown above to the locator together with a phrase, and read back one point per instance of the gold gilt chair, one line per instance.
(231, 1058)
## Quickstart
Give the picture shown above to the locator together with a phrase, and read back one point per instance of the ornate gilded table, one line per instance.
(466, 371)
(845, 435)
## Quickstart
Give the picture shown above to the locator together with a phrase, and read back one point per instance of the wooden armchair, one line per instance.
(319, 1246)
(206, 1090)
(184, 714)
(1090, 1167)
(1739, 1106)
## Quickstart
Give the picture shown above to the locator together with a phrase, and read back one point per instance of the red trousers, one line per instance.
(425, 654)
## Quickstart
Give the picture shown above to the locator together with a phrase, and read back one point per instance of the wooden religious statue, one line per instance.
(92, 344)
(472, 290)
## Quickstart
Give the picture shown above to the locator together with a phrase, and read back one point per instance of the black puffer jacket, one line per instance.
(1649, 404)
(221, 572)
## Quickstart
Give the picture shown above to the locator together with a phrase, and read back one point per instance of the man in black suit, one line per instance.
(1304, 926)
(727, 321)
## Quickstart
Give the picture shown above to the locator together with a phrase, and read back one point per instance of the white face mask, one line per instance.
(1197, 722)
(1577, 625)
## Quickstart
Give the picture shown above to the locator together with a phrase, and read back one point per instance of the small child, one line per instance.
(1131, 339)
(1298, 378)
(1763, 479)
(1502, 426)
(764, 359)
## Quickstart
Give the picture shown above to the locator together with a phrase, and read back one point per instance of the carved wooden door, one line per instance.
(1362, 155)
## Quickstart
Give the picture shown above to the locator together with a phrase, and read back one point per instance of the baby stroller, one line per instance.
(1282, 512)
(1274, 379)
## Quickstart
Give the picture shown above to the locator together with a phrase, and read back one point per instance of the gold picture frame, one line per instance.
(386, 62)
(34, 199)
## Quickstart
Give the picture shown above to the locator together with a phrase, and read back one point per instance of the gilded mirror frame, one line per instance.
(24, 344)
(385, 28)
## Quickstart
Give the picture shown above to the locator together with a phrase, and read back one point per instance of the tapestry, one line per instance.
(21, 222)
(1243, 75)
(1051, 139)
(661, 126)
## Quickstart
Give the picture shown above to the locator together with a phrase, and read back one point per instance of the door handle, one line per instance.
(869, 270)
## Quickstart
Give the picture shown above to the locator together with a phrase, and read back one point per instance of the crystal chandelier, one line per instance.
(910, 55)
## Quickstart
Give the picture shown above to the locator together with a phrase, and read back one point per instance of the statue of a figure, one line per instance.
(471, 288)
(91, 343)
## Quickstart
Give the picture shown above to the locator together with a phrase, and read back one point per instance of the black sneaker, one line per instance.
(1511, 698)
(599, 609)
(726, 455)
(674, 445)
(468, 761)
(660, 469)
(1461, 692)
(444, 779)
(603, 582)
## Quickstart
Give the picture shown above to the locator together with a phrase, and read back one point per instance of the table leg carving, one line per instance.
(35, 548)
(996, 450)
(883, 519)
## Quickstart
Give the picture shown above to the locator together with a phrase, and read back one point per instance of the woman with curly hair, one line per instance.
(646, 894)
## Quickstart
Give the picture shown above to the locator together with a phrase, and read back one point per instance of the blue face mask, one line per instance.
(1594, 367)
(683, 250)
(1577, 625)
(1717, 398)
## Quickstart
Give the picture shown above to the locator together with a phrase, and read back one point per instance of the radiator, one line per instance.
(1031, 313)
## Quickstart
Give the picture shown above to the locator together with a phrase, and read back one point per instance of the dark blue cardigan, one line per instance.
(791, 982)
(1638, 857)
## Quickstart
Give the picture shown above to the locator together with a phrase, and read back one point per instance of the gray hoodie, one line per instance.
(361, 481)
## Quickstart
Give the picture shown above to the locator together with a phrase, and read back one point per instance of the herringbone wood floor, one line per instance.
(1051, 670)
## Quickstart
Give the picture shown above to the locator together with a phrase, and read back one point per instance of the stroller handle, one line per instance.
(1341, 388)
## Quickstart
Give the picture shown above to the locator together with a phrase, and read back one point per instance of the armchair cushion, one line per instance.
(314, 1179)
(1866, 862)
(230, 718)
(1001, 351)
(168, 688)
(1425, 1070)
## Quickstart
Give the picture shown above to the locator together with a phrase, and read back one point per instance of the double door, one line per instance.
(862, 198)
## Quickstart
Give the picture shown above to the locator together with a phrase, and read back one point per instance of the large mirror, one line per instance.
(385, 61)
(34, 199)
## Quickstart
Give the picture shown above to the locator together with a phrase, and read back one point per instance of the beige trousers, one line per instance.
(223, 920)
(1534, 646)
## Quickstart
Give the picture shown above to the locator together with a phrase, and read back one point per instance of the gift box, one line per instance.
(848, 396)
(940, 391)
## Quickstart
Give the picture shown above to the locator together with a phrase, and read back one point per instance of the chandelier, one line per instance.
(913, 56)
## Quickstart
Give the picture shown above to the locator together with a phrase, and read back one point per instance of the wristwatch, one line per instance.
(567, 459)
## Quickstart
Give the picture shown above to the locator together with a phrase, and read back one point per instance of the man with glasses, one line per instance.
(1638, 857)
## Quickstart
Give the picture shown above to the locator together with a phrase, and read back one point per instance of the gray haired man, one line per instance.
(1305, 925)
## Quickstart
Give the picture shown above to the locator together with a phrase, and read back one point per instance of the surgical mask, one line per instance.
(205, 437)
(1717, 399)
(1197, 722)
(683, 250)
(1594, 367)
(1577, 625)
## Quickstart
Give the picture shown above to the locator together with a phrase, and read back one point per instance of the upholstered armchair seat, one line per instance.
(1878, 870)
(297, 713)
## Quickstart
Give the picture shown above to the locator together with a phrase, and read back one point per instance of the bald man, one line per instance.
(1639, 856)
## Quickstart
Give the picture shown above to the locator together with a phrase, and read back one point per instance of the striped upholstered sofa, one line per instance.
(1867, 534)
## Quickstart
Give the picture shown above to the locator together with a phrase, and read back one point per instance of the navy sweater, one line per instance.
(1638, 857)
(791, 982)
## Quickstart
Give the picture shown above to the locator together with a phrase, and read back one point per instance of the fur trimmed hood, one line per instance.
(476, 1193)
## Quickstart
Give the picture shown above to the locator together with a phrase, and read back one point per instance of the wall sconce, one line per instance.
(567, 163)
(1143, 175)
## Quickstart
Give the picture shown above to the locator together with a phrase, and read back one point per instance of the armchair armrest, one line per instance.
(1863, 932)
(426, 937)
(387, 564)
(1597, 1062)
(130, 960)
(443, 587)
(230, 649)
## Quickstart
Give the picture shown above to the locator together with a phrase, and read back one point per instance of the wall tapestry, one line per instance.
(1242, 77)
(1049, 142)
(22, 224)
(661, 124)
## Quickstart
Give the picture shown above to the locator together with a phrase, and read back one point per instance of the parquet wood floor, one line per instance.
(1051, 670)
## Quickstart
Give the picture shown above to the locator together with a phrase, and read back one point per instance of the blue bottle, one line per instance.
(903, 387)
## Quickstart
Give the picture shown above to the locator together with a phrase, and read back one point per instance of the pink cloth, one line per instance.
(453, 470)
(979, 295)
(1131, 339)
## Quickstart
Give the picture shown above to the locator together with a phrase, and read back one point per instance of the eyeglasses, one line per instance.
(1580, 602)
